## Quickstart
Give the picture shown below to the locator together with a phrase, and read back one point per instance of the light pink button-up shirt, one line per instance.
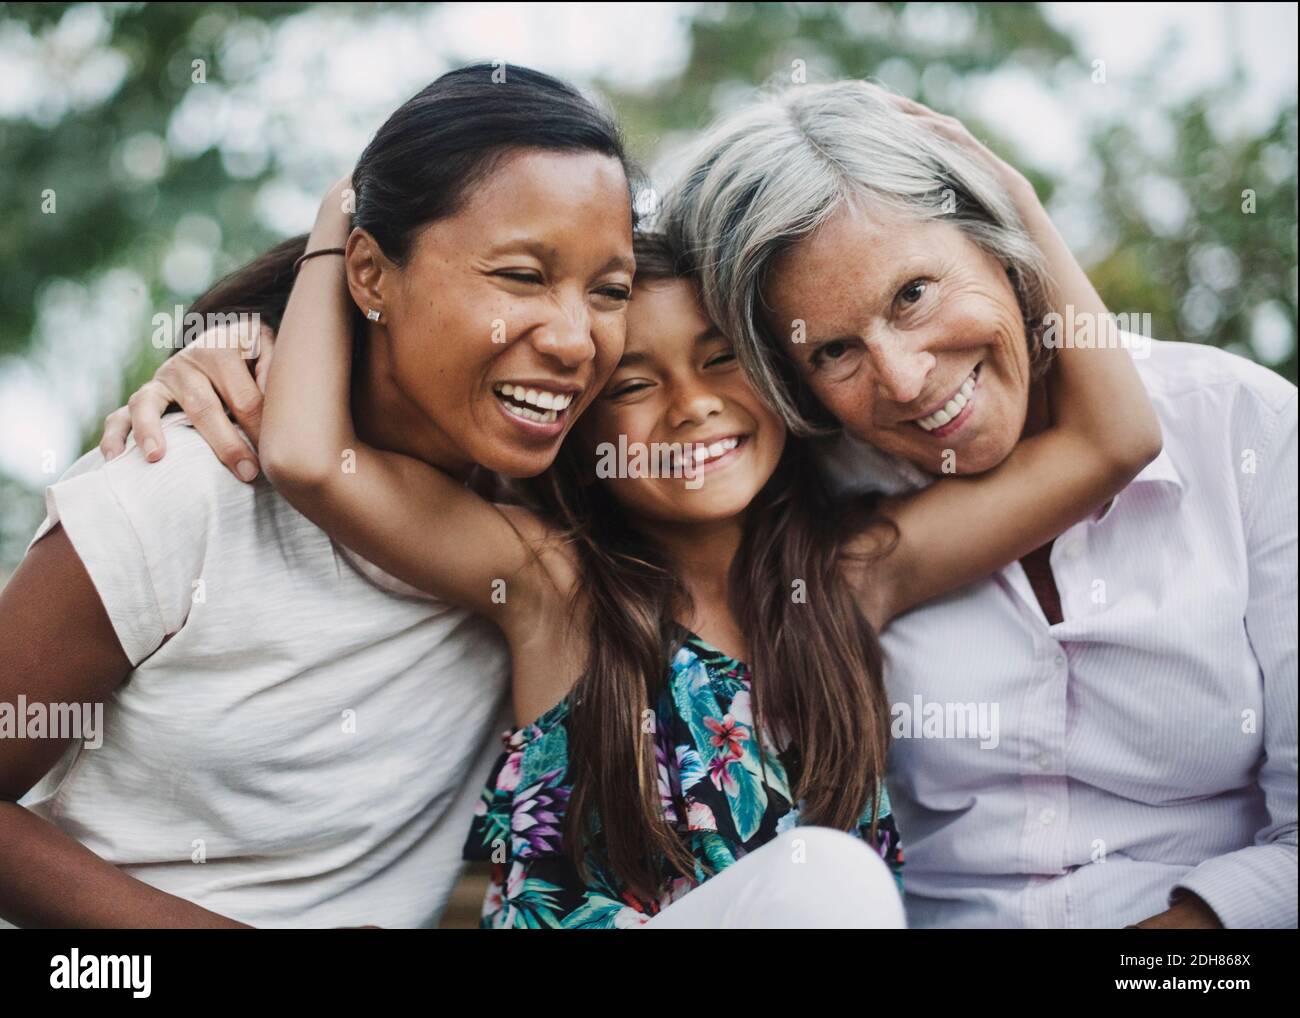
(1074, 775)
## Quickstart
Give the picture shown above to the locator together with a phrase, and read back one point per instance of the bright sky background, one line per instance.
(333, 80)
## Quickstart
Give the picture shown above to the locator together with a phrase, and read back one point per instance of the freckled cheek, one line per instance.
(464, 358)
(1009, 381)
(421, 361)
(1002, 318)
(971, 323)
(768, 426)
(850, 401)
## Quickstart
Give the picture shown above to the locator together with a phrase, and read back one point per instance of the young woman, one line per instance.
(648, 754)
(286, 734)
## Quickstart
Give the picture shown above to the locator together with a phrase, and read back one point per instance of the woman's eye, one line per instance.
(626, 389)
(912, 292)
(722, 358)
(829, 352)
(522, 277)
(616, 293)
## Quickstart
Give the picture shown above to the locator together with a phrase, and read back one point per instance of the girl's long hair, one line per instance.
(815, 662)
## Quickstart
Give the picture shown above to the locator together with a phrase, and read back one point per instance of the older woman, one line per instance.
(1139, 672)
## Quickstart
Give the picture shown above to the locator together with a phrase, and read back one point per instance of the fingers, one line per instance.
(954, 130)
(117, 426)
(948, 125)
(197, 395)
(225, 373)
(232, 358)
(265, 351)
(910, 105)
(146, 408)
(212, 374)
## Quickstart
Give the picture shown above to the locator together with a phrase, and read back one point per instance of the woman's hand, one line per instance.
(339, 203)
(1188, 912)
(225, 369)
(1016, 183)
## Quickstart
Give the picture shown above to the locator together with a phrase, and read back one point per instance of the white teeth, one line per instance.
(953, 407)
(541, 399)
(528, 414)
(700, 453)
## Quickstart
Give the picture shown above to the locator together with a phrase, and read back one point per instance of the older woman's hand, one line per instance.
(224, 369)
(1188, 912)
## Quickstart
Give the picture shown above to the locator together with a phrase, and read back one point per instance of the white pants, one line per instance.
(806, 878)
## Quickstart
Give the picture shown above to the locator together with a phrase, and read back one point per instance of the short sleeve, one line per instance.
(142, 530)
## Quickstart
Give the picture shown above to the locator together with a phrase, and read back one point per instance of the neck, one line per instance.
(387, 418)
(700, 554)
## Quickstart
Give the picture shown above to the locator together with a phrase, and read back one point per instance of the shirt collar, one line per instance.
(1160, 470)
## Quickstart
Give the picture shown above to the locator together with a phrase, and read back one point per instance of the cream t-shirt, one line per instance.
(301, 742)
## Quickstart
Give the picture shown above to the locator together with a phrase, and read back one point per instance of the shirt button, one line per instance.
(1059, 660)
(1044, 760)
(1047, 816)
(1074, 547)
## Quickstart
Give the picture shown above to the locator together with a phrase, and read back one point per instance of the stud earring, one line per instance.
(372, 314)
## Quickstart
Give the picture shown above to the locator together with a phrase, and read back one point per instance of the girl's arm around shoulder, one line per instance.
(408, 517)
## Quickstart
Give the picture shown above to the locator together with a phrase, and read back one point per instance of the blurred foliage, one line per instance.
(1201, 279)
(104, 218)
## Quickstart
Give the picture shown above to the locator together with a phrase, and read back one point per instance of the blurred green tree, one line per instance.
(1220, 267)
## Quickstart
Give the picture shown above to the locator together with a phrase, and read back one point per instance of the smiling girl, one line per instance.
(696, 679)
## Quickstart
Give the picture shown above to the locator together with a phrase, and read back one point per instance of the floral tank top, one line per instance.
(708, 758)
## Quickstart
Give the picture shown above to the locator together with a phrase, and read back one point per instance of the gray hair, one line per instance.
(771, 174)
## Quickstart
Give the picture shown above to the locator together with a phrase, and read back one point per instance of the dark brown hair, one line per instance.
(425, 161)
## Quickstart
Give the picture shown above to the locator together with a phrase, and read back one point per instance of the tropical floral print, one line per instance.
(735, 793)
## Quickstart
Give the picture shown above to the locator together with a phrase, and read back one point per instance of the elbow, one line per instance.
(1148, 442)
(292, 472)
(1135, 448)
